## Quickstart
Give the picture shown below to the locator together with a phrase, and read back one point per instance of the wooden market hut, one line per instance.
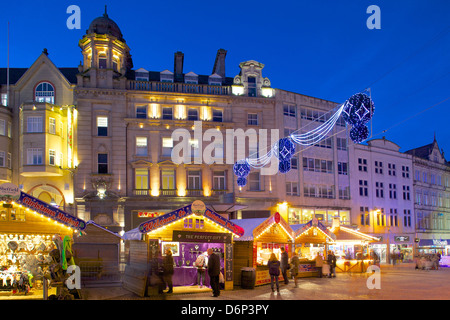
(310, 238)
(352, 249)
(262, 237)
(188, 232)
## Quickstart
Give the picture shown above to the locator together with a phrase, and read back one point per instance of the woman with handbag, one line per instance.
(168, 270)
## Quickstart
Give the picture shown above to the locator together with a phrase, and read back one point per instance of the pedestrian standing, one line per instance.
(284, 264)
(331, 259)
(214, 272)
(168, 270)
(158, 272)
(274, 271)
(295, 263)
(319, 263)
(200, 264)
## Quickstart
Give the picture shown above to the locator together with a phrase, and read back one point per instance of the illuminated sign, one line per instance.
(51, 212)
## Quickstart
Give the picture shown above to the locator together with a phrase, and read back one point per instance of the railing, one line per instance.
(178, 87)
(99, 271)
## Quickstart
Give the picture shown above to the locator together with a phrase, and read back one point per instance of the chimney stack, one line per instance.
(178, 63)
(219, 64)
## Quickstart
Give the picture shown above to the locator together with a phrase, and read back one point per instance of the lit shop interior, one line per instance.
(324, 215)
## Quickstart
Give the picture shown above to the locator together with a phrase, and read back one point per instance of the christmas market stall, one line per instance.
(35, 247)
(189, 232)
(311, 239)
(351, 249)
(262, 237)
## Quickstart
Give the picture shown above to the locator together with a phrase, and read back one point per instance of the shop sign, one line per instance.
(9, 191)
(144, 214)
(210, 237)
(51, 212)
(401, 238)
(198, 207)
(439, 242)
(181, 213)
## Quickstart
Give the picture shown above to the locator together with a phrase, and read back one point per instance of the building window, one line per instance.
(251, 86)
(167, 146)
(34, 124)
(290, 111)
(379, 167)
(292, 189)
(5, 99)
(141, 112)
(392, 191)
(102, 126)
(168, 179)
(34, 156)
(362, 164)
(254, 181)
(217, 115)
(2, 158)
(379, 190)
(417, 175)
(194, 180)
(141, 179)
(317, 165)
(252, 119)
(405, 172)
(343, 168)
(219, 180)
(192, 114)
(364, 216)
(391, 169)
(407, 218)
(325, 143)
(344, 192)
(363, 189)
(167, 113)
(393, 217)
(294, 163)
(195, 148)
(381, 218)
(102, 163)
(2, 127)
(51, 157)
(141, 146)
(341, 144)
(44, 93)
(102, 61)
(406, 193)
(51, 125)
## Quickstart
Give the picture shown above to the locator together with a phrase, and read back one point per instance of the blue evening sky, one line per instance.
(320, 48)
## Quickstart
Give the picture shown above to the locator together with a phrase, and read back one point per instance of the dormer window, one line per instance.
(166, 76)
(215, 80)
(251, 86)
(44, 92)
(191, 77)
(141, 75)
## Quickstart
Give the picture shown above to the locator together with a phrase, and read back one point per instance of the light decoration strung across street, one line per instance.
(357, 111)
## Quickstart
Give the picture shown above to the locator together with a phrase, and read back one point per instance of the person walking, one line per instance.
(214, 272)
(274, 271)
(319, 263)
(295, 263)
(284, 264)
(157, 268)
(168, 270)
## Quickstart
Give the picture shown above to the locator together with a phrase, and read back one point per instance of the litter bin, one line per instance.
(248, 278)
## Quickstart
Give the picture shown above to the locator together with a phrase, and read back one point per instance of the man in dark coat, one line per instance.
(214, 272)
(284, 264)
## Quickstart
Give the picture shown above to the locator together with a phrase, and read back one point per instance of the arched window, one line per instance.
(44, 93)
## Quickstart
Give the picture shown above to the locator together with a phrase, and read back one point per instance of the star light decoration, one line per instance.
(356, 111)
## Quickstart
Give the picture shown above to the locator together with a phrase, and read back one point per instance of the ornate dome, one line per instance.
(104, 25)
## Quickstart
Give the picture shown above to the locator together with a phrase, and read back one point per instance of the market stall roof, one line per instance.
(133, 234)
(49, 211)
(304, 230)
(351, 235)
(197, 208)
(259, 227)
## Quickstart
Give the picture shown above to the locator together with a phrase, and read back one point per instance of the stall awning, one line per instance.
(345, 234)
(303, 230)
(133, 234)
(197, 208)
(256, 228)
(51, 212)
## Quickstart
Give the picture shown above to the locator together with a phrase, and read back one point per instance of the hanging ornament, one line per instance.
(284, 166)
(286, 149)
(241, 169)
(359, 133)
(358, 109)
